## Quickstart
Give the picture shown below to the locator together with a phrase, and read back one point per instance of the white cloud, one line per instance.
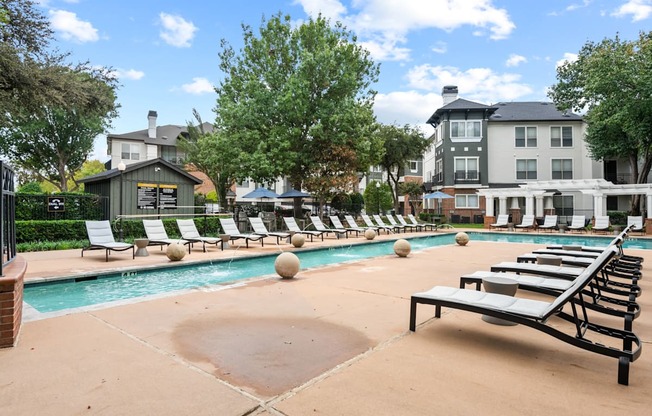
(638, 9)
(515, 60)
(476, 84)
(407, 107)
(386, 23)
(132, 74)
(198, 86)
(440, 47)
(176, 30)
(71, 28)
(568, 57)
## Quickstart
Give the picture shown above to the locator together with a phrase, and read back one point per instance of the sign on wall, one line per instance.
(156, 196)
(56, 204)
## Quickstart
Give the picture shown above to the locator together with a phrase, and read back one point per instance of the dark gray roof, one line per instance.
(458, 105)
(108, 174)
(165, 135)
(531, 111)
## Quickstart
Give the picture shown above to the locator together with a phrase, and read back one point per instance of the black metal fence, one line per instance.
(64, 206)
(7, 217)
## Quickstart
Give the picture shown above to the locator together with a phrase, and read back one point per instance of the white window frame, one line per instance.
(558, 141)
(527, 163)
(466, 169)
(413, 165)
(527, 140)
(133, 151)
(468, 125)
(465, 198)
(562, 162)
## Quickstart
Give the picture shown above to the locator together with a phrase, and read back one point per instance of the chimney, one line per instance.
(151, 128)
(449, 93)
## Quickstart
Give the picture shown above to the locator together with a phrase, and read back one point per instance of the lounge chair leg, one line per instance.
(437, 311)
(413, 315)
(623, 371)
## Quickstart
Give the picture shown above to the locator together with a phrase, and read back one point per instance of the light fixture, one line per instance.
(122, 166)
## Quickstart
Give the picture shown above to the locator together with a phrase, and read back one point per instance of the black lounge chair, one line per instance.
(536, 314)
(100, 237)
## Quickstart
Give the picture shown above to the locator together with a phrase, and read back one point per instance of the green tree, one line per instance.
(612, 81)
(297, 101)
(89, 168)
(414, 192)
(401, 145)
(377, 197)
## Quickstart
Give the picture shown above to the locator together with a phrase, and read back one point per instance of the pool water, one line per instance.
(76, 293)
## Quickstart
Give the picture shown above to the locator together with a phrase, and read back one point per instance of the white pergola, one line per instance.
(538, 195)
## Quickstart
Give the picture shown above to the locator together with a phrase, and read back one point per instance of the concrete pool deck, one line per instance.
(333, 341)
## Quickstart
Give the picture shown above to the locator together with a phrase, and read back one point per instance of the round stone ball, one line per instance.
(298, 240)
(286, 265)
(176, 251)
(462, 238)
(369, 234)
(402, 248)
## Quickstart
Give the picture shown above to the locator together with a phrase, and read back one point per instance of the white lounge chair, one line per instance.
(229, 226)
(381, 223)
(292, 225)
(601, 224)
(527, 223)
(100, 237)
(635, 224)
(425, 225)
(189, 232)
(354, 225)
(337, 224)
(394, 224)
(157, 235)
(375, 227)
(260, 229)
(549, 223)
(501, 222)
(578, 223)
(413, 227)
(319, 226)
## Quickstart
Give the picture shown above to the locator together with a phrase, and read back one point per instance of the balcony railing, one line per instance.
(619, 178)
(467, 176)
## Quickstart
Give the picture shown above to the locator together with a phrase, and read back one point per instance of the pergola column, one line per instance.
(489, 206)
(502, 205)
(538, 199)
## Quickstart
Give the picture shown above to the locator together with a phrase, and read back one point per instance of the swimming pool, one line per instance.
(87, 291)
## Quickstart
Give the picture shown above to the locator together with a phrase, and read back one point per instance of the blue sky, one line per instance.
(165, 53)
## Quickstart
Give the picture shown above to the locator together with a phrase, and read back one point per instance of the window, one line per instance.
(562, 168)
(169, 153)
(526, 169)
(439, 170)
(467, 201)
(561, 136)
(525, 136)
(413, 165)
(466, 168)
(462, 129)
(130, 151)
(563, 205)
(243, 184)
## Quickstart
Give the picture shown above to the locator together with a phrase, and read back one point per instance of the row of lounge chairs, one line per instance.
(578, 223)
(603, 288)
(101, 237)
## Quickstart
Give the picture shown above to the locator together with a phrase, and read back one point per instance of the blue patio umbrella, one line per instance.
(438, 195)
(293, 193)
(261, 192)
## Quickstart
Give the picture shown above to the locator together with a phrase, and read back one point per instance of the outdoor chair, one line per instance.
(578, 223)
(635, 224)
(536, 314)
(319, 226)
(337, 224)
(189, 233)
(393, 223)
(375, 227)
(260, 229)
(354, 225)
(403, 222)
(100, 237)
(501, 222)
(157, 235)
(527, 223)
(293, 227)
(601, 224)
(425, 225)
(230, 227)
(549, 223)
(381, 223)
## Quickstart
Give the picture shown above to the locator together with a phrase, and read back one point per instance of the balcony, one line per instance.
(619, 178)
(467, 177)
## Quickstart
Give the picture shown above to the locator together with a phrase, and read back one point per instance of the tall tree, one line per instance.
(612, 81)
(401, 145)
(297, 102)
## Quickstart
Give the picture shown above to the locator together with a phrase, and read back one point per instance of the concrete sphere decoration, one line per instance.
(298, 240)
(369, 234)
(462, 238)
(286, 265)
(176, 251)
(402, 248)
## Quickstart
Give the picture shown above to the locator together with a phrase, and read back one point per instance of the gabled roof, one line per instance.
(458, 105)
(111, 173)
(531, 111)
(165, 135)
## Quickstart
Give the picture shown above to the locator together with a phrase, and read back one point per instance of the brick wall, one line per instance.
(11, 301)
